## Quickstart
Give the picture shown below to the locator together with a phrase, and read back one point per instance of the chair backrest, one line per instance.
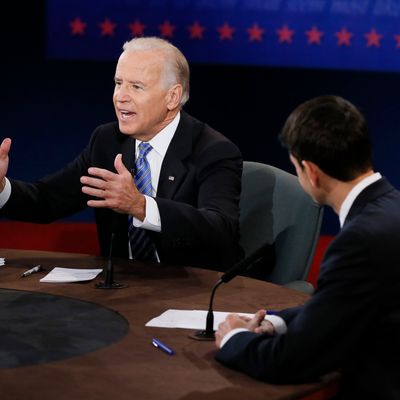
(275, 209)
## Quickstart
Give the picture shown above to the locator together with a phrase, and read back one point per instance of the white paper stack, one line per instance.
(2, 261)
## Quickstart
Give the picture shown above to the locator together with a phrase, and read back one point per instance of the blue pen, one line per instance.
(162, 346)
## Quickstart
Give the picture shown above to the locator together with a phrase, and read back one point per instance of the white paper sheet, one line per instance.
(68, 275)
(189, 319)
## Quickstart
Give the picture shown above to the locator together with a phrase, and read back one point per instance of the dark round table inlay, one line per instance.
(36, 328)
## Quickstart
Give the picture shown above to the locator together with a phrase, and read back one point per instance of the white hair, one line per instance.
(176, 69)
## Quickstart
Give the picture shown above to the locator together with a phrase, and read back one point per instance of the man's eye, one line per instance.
(136, 86)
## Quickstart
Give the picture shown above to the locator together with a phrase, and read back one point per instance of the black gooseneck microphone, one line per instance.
(241, 266)
(108, 270)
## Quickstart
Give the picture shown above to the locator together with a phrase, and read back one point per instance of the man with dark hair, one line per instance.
(352, 321)
(181, 206)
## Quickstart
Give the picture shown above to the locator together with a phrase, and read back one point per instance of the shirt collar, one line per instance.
(161, 141)
(357, 189)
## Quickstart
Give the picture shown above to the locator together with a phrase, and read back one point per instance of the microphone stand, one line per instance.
(108, 271)
(209, 333)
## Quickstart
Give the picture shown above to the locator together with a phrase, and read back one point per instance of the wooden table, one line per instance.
(133, 368)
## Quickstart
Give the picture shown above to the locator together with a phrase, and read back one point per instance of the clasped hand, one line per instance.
(116, 191)
(257, 324)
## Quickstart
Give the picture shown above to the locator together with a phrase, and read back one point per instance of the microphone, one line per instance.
(108, 270)
(241, 266)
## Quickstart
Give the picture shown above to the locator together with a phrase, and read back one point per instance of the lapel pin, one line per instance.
(171, 178)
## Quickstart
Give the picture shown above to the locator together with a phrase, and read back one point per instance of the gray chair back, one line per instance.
(275, 209)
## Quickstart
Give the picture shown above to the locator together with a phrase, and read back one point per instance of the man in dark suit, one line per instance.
(352, 321)
(189, 209)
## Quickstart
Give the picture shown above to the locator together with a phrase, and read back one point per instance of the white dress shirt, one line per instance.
(155, 157)
(278, 322)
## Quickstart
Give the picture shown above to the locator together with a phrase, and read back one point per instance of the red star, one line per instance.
(373, 38)
(343, 37)
(137, 28)
(225, 32)
(255, 33)
(196, 30)
(77, 26)
(285, 34)
(314, 35)
(107, 28)
(167, 29)
(397, 38)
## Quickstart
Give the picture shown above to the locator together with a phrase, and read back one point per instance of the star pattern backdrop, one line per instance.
(345, 34)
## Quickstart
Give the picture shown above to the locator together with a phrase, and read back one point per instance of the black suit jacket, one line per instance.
(197, 195)
(352, 321)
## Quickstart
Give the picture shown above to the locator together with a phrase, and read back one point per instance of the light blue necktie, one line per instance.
(142, 247)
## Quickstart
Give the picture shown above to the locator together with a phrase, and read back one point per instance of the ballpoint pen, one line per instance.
(31, 271)
(162, 346)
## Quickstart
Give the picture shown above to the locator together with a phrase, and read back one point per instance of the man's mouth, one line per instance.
(126, 115)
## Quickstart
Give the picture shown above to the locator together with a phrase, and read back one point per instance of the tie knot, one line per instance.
(144, 149)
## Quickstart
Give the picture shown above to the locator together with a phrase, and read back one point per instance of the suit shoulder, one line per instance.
(206, 137)
(107, 129)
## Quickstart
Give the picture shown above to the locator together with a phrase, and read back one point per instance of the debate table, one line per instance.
(130, 367)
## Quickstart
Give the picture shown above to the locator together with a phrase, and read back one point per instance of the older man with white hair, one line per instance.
(165, 184)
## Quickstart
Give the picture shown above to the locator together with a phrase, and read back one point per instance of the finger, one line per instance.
(97, 203)
(221, 325)
(94, 192)
(93, 182)
(232, 317)
(119, 165)
(257, 319)
(102, 173)
(218, 338)
(5, 147)
(259, 316)
(265, 327)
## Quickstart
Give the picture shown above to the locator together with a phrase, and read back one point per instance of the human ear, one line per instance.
(312, 172)
(174, 96)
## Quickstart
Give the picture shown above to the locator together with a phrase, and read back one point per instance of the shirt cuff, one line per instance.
(278, 323)
(152, 220)
(230, 334)
(5, 194)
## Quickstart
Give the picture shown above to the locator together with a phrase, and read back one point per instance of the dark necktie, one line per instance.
(142, 247)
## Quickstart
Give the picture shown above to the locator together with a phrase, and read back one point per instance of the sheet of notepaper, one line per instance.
(68, 275)
(189, 319)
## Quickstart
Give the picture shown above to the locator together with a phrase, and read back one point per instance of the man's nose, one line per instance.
(122, 94)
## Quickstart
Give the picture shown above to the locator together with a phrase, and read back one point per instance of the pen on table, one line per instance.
(160, 345)
(31, 271)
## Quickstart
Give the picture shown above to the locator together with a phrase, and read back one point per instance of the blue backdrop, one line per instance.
(350, 34)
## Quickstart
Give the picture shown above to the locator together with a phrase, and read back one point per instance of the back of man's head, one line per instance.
(332, 133)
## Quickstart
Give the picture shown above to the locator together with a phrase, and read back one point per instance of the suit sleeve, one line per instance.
(323, 333)
(52, 197)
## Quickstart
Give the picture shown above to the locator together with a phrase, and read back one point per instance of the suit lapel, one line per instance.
(173, 169)
(128, 152)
